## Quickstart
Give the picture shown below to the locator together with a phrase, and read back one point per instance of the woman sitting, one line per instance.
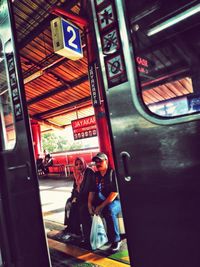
(79, 196)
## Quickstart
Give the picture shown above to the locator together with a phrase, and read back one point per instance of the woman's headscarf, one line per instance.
(79, 175)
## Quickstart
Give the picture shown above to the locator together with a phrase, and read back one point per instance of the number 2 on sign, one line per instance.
(72, 38)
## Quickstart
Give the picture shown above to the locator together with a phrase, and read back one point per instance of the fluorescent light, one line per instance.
(33, 76)
(3, 92)
(179, 17)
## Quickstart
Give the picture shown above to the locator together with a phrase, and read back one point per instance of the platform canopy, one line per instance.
(57, 88)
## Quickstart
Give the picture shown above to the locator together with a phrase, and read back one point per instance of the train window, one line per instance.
(166, 41)
(6, 111)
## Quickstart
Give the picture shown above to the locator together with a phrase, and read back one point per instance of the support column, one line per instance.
(103, 133)
(100, 111)
(36, 137)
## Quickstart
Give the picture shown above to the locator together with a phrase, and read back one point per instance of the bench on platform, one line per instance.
(120, 222)
(58, 168)
(121, 225)
(68, 169)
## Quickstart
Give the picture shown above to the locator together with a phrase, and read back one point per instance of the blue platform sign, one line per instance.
(71, 37)
(66, 39)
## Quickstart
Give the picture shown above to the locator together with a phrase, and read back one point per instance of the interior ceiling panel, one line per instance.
(57, 89)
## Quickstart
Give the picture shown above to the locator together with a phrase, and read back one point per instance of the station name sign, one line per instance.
(94, 85)
(84, 128)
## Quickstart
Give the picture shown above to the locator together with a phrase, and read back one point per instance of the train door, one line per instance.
(22, 236)
(149, 54)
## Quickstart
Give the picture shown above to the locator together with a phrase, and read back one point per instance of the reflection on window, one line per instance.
(167, 54)
(6, 119)
(170, 108)
(175, 104)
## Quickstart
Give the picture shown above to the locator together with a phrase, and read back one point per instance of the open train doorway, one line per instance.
(70, 91)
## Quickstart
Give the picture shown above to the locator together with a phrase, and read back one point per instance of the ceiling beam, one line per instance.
(58, 90)
(41, 71)
(53, 60)
(50, 113)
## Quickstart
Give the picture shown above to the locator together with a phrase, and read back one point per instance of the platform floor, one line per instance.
(53, 192)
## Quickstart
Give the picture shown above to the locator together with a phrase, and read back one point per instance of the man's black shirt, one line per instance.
(104, 184)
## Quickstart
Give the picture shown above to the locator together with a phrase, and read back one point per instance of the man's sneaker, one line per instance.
(115, 246)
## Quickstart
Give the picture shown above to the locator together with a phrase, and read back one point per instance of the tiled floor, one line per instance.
(53, 194)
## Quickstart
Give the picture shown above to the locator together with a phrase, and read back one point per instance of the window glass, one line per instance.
(7, 118)
(166, 41)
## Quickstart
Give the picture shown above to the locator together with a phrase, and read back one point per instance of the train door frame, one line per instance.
(23, 239)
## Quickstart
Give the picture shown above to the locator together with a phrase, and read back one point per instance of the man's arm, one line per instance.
(107, 201)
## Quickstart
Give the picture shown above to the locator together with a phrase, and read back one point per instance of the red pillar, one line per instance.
(103, 133)
(36, 136)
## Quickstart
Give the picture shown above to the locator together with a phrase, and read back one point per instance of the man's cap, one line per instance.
(100, 156)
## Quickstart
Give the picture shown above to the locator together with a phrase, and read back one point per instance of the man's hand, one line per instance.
(98, 210)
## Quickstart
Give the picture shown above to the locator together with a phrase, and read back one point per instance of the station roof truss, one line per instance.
(54, 85)
(57, 89)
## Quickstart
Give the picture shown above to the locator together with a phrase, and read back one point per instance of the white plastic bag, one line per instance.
(98, 236)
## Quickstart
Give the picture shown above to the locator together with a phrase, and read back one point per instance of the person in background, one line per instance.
(45, 152)
(103, 199)
(48, 161)
(83, 176)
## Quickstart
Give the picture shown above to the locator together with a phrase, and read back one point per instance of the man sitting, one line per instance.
(103, 199)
